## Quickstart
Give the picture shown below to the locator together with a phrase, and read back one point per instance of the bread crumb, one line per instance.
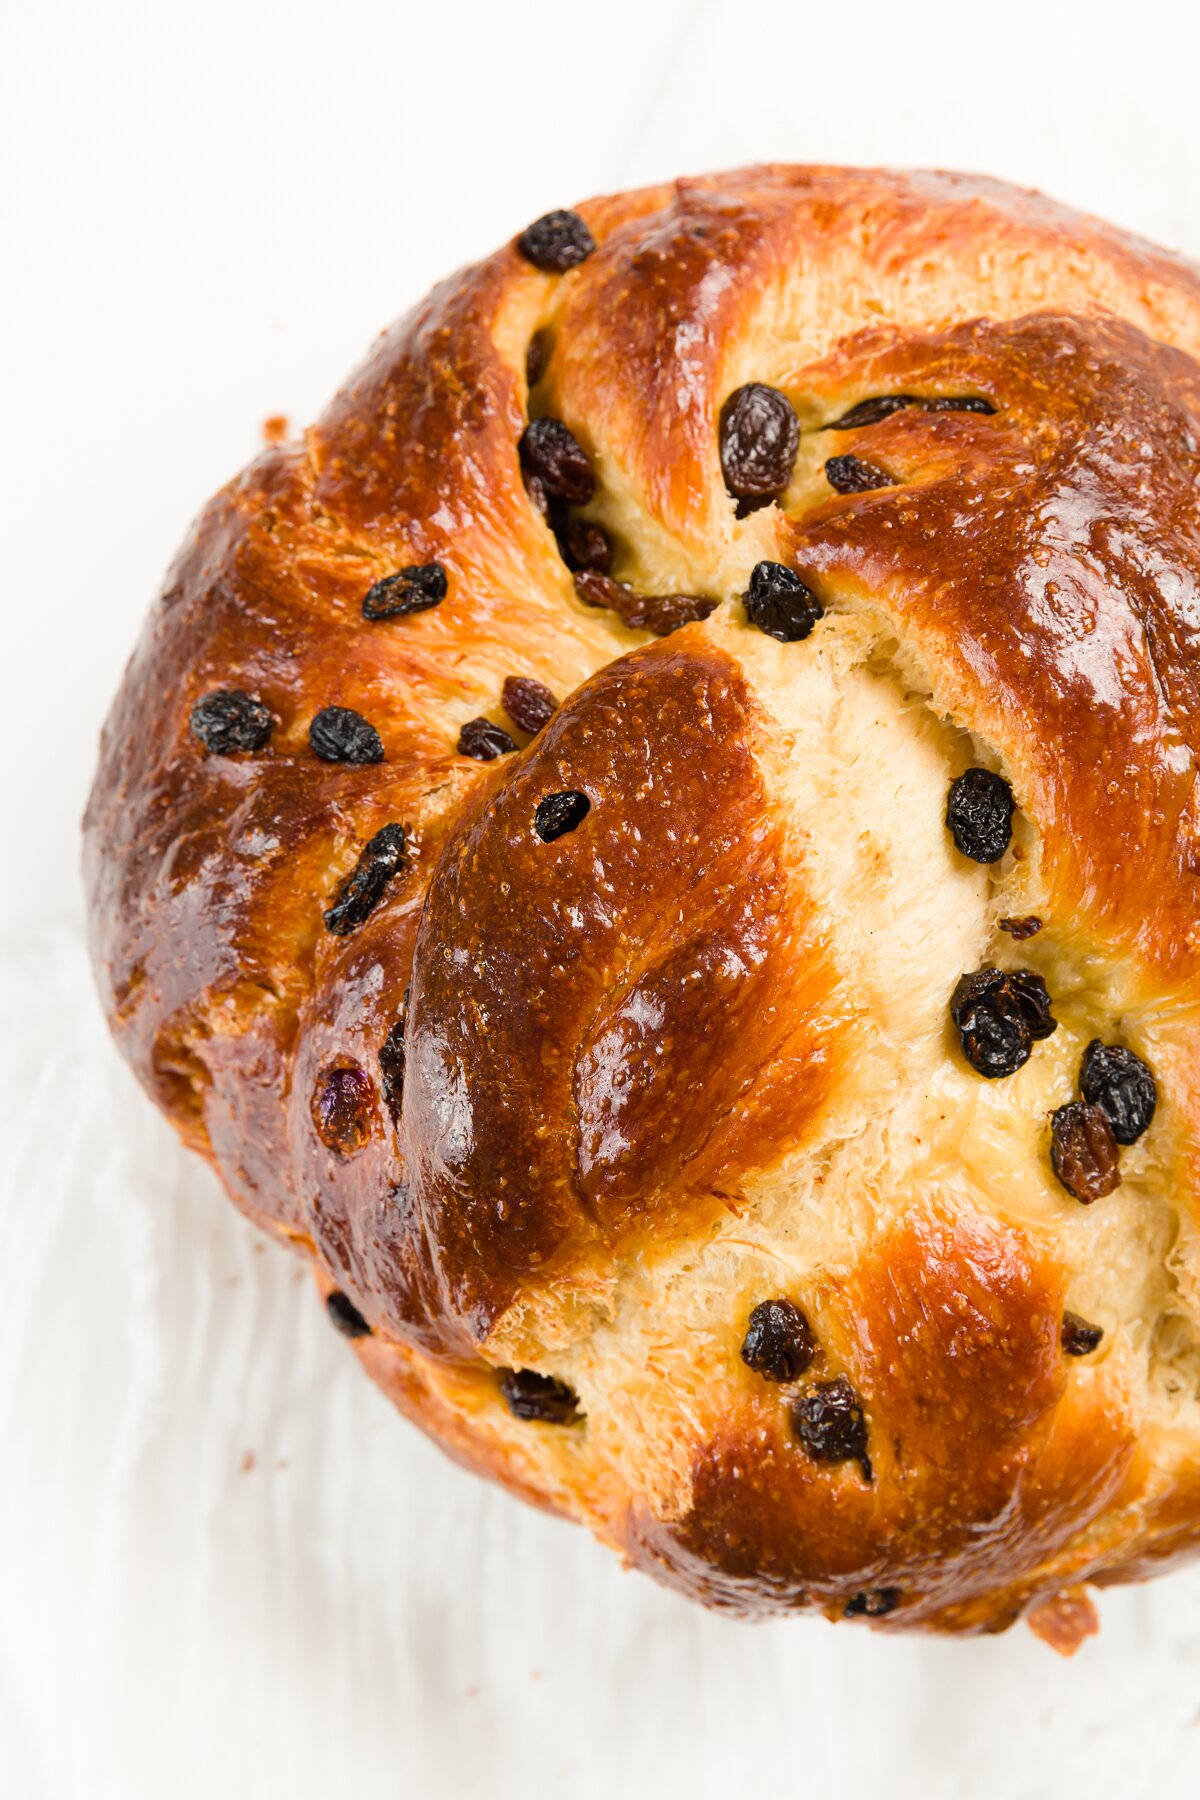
(1064, 1620)
(276, 429)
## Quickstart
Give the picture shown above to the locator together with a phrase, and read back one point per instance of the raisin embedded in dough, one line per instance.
(229, 721)
(559, 813)
(556, 242)
(410, 590)
(533, 1396)
(345, 1316)
(381, 858)
(779, 1343)
(830, 1423)
(552, 456)
(529, 703)
(780, 604)
(1119, 1083)
(338, 734)
(1083, 1151)
(485, 741)
(979, 813)
(759, 436)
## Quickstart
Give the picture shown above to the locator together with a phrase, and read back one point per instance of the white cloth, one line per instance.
(226, 1567)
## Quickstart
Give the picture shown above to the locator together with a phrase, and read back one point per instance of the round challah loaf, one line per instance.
(659, 848)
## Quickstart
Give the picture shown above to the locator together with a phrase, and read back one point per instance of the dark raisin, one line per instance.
(882, 406)
(559, 813)
(585, 546)
(1029, 994)
(1121, 1085)
(870, 412)
(600, 590)
(829, 1421)
(533, 1396)
(969, 403)
(979, 811)
(410, 590)
(746, 508)
(872, 1603)
(759, 436)
(484, 741)
(847, 475)
(343, 1108)
(537, 357)
(340, 735)
(391, 1065)
(999, 1014)
(778, 602)
(664, 613)
(535, 487)
(1084, 1152)
(1077, 1337)
(1021, 928)
(552, 456)
(556, 242)
(227, 721)
(381, 857)
(528, 704)
(779, 1344)
(345, 1315)
(660, 613)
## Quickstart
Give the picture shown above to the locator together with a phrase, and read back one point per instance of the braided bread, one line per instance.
(658, 847)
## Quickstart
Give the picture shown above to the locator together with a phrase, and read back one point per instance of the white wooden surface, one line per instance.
(225, 1566)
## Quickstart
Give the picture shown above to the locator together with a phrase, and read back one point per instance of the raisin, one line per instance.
(533, 1396)
(585, 546)
(779, 1344)
(1021, 928)
(537, 357)
(969, 403)
(535, 487)
(528, 704)
(664, 613)
(228, 720)
(597, 589)
(1083, 1151)
(343, 1108)
(1121, 1085)
(759, 435)
(338, 734)
(882, 406)
(660, 613)
(381, 857)
(778, 602)
(999, 1014)
(556, 242)
(872, 1603)
(410, 590)
(391, 1065)
(552, 456)
(979, 811)
(847, 475)
(559, 813)
(484, 741)
(746, 508)
(829, 1421)
(1077, 1337)
(345, 1316)
(1028, 992)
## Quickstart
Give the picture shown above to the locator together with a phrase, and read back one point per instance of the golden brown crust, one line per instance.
(694, 1053)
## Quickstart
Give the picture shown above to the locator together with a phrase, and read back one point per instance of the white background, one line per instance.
(207, 213)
